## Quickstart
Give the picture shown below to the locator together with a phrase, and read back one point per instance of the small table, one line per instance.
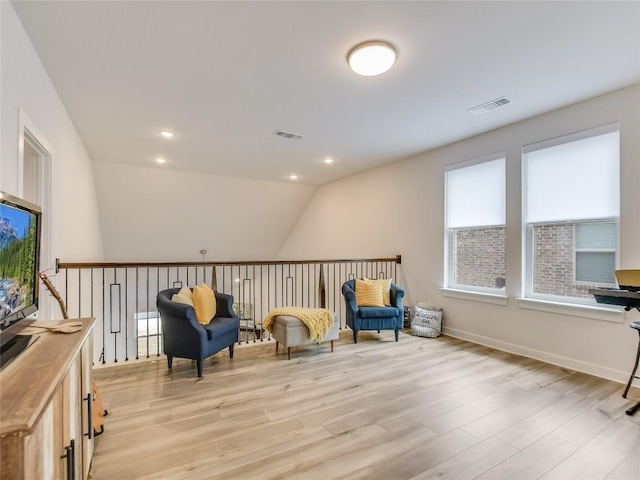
(628, 299)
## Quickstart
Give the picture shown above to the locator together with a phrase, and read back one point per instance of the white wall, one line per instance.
(398, 209)
(156, 214)
(25, 87)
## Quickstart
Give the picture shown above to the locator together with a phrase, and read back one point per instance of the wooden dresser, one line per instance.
(45, 408)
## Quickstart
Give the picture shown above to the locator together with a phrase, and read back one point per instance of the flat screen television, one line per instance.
(20, 223)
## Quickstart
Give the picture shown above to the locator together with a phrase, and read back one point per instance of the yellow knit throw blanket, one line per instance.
(318, 320)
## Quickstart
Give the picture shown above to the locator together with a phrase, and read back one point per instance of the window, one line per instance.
(475, 225)
(571, 205)
(148, 332)
(595, 248)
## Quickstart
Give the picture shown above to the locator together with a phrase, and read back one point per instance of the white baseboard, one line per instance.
(558, 360)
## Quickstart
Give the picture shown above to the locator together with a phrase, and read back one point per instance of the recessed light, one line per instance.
(328, 161)
(166, 134)
(160, 160)
(293, 177)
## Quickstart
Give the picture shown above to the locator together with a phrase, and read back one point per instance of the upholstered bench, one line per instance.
(292, 332)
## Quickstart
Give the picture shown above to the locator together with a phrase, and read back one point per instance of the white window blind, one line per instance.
(574, 180)
(475, 195)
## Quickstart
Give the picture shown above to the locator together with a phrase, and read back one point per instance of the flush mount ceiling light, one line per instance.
(293, 177)
(160, 160)
(166, 134)
(372, 58)
(328, 161)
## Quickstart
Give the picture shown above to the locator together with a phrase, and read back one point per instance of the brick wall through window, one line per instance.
(554, 262)
(480, 257)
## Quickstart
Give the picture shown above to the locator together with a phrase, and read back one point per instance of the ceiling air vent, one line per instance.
(492, 105)
(290, 135)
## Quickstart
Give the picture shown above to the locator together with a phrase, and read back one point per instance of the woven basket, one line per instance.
(427, 321)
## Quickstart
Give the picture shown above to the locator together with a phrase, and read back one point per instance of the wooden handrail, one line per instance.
(70, 265)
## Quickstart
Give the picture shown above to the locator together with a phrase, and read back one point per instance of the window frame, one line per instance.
(528, 227)
(614, 250)
(449, 233)
(529, 262)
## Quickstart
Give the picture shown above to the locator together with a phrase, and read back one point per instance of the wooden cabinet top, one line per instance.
(28, 383)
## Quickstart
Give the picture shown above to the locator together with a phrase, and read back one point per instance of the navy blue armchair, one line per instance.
(373, 318)
(184, 337)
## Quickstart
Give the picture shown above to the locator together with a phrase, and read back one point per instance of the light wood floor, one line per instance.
(420, 408)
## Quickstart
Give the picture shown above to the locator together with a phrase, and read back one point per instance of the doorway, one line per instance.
(34, 172)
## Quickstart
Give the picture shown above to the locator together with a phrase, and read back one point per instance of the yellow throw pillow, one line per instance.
(204, 303)
(385, 286)
(368, 294)
(183, 296)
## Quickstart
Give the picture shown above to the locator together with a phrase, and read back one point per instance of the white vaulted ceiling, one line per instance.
(224, 76)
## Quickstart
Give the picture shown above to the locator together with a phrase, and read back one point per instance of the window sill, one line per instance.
(483, 297)
(609, 314)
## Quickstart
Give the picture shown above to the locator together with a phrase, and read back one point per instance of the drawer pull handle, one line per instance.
(89, 401)
(70, 455)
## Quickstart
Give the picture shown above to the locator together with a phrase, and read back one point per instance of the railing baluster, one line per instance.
(254, 311)
(137, 332)
(111, 330)
(79, 294)
(103, 353)
(66, 289)
(91, 290)
(158, 327)
(126, 314)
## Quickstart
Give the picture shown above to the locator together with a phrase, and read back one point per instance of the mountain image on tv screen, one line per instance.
(18, 250)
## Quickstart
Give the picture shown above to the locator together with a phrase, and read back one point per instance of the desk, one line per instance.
(628, 299)
(614, 296)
